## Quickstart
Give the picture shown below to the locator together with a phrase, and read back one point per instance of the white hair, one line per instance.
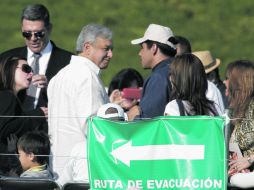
(90, 32)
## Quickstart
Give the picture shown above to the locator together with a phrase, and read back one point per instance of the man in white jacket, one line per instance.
(76, 168)
(77, 92)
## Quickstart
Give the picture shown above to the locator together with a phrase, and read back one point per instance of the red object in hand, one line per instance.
(131, 93)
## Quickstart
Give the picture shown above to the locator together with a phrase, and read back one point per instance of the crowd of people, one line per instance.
(50, 92)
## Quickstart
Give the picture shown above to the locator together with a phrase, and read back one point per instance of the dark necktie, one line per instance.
(31, 91)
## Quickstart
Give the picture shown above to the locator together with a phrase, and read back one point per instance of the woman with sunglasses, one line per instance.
(15, 75)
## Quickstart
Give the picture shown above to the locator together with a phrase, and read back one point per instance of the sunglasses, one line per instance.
(38, 35)
(26, 68)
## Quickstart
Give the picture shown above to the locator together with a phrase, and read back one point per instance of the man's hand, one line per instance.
(40, 81)
(115, 97)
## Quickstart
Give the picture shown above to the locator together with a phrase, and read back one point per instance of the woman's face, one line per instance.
(23, 75)
(226, 82)
(25, 159)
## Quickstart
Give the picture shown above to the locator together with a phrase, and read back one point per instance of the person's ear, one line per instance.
(31, 156)
(87, 48)
(115, 96)
(154, 48)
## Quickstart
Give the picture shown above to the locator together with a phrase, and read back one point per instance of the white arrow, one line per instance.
(127, 152)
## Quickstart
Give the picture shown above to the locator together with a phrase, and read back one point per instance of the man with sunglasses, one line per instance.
(36, 29)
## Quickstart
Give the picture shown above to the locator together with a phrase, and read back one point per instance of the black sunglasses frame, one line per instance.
(26, 68)
(38, 35)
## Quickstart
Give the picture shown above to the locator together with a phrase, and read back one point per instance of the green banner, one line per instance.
(162, 153)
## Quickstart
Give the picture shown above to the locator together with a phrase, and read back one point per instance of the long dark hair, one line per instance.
(8, 67)
(189, 82)
(124, 79)
(240, 74)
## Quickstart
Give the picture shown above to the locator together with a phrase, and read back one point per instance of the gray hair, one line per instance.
(36, 12)
(90, 32)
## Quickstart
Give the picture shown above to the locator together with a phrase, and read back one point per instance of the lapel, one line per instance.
(59, 58)
(52, 63)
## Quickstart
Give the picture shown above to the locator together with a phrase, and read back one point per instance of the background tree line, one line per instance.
(222, 26)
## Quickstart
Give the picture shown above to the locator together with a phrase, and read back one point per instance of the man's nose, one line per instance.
(110, 53)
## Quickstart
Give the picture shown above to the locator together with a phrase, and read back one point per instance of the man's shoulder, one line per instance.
(162, 67)
(61, 51)
(19, 51)
(161, 71)
(59, 58)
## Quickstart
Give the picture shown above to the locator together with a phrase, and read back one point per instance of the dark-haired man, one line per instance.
(41, 53)
(157, 51)
(183, 45)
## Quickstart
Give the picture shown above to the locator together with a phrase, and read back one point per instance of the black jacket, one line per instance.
(10, 106)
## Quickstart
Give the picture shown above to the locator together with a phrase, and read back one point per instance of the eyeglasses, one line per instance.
(26, 68)
(38, 35)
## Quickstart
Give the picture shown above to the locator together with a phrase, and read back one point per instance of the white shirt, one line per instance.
(242, 180)
(76, 168)
(212, 94)
(172, 108)
(43, 64)
(74, 93)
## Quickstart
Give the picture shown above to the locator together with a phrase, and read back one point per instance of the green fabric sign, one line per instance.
(162, 153)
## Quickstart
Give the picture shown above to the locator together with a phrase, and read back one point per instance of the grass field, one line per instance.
(225, 27)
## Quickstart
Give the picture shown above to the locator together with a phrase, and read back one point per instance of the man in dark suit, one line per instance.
(36, 29)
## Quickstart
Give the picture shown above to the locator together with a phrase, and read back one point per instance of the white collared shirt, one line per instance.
(75, 93)
(213, 93)
(43, 64)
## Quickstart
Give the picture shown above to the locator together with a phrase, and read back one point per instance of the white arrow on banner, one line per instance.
(127, 152)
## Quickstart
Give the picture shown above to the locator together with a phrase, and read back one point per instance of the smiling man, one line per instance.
(42, 54)
(77, 92)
